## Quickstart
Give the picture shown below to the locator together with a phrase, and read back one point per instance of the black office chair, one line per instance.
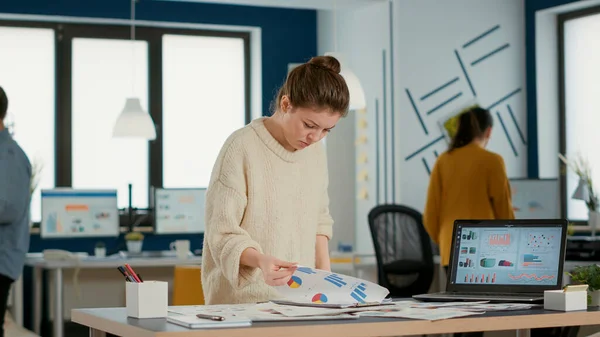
(403, 250)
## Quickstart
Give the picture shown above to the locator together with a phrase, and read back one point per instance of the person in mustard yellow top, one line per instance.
(467, 181)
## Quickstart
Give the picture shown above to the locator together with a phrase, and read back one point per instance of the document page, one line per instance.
(320, 287)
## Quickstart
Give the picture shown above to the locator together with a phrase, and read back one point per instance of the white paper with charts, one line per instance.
(319, 287)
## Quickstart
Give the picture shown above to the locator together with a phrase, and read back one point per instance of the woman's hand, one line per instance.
(275, 271)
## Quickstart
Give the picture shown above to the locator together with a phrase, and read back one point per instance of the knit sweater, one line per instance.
(265, 197)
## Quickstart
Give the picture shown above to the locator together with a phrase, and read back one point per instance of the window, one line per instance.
(68, 83)
(203, 103)
(104, 73)
(581, 52)
(27, 74)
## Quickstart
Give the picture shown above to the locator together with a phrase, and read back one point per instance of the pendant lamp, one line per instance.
(134, 121)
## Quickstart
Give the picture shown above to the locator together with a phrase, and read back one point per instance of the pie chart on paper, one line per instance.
(294, 282)
(319, 298)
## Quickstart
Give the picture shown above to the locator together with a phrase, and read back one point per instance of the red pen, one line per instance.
(132, 273)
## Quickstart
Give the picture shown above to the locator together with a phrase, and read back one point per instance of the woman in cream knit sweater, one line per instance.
(267, 207)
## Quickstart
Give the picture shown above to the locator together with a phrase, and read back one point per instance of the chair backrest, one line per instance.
(398, 234)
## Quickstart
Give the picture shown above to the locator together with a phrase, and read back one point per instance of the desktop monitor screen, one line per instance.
(535, 198)
(179, 210)
(79, 213)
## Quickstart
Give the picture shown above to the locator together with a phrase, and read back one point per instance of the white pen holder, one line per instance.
(565, 301)
(148, 299)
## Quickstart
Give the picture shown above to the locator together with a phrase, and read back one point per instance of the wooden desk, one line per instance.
(115, 321)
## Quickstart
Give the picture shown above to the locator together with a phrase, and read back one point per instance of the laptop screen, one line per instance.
(517, 253)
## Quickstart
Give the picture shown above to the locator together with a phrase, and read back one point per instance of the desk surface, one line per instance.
(111, 261)
(115, 321)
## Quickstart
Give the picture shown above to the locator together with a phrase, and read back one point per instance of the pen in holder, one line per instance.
(147, 299)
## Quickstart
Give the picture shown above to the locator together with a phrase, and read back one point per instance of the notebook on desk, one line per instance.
(504, 261)
(191, 321)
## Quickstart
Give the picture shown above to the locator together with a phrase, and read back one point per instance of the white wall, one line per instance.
(362, 34)
(429, 42)
(427, 35)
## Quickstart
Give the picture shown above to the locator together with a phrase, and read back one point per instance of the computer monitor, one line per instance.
(535, 198)
(179, 210)
(68, 213)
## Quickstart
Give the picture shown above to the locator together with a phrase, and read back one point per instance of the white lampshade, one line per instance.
(357, 94)
(581, 192)
(134, 122)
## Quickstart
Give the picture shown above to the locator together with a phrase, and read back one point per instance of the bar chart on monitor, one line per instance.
(179, 210)
(478, 277)
(70, 212)
(499, 241)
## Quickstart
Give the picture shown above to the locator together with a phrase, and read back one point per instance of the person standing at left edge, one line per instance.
(15, 182)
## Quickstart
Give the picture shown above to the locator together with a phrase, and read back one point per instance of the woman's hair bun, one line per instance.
(326, 62)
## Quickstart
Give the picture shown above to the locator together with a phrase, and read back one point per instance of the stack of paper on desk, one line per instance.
(315, 287)
(272, 312)
(262, 312)
(392, 310)
(416, 313)
(480, 306)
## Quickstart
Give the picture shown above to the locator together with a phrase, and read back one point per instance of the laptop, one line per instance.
(504, 261)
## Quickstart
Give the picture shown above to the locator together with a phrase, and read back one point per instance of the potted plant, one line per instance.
(589, 275)
(100, 249)
(36, 171)
(134, 241)
(585, 189)
(570, 229)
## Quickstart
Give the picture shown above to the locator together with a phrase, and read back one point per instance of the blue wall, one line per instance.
(288, 35)
(531, 6)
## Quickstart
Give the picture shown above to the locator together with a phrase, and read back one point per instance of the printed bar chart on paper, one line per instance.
(319, 287)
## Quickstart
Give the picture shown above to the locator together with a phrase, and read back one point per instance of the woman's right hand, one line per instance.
(275, 271)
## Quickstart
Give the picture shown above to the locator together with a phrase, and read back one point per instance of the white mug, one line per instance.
(181, 248)
(100, 251)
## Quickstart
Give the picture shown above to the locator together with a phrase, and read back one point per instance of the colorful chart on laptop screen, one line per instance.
(507, 255)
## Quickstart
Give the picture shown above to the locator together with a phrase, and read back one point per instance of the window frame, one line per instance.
(64, 34)
(561, 19)
(55, 28)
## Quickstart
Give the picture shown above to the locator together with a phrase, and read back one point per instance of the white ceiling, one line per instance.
(301, 4)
